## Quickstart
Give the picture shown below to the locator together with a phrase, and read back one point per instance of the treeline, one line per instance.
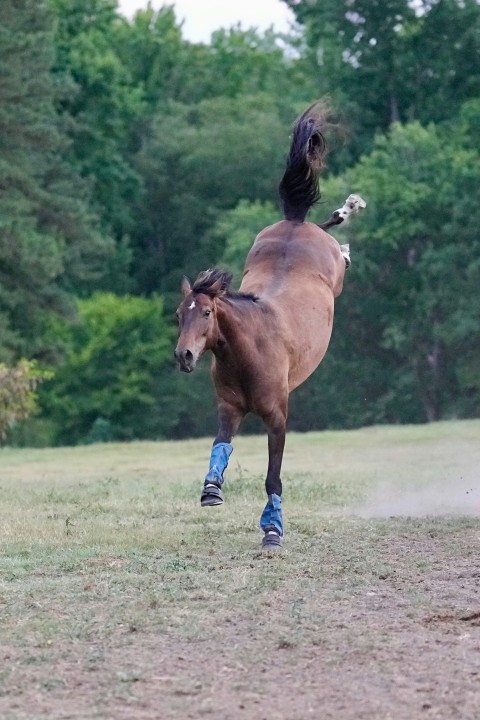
(130, 157)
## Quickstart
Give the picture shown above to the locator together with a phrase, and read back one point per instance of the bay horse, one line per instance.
(268, 337)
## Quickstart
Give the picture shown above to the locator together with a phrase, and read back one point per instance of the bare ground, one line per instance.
(364, 620)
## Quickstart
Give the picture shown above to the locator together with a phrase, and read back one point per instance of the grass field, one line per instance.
(120, 597)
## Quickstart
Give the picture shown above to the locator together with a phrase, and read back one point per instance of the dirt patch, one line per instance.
(451, 498)
(450, 622)
(366, 622)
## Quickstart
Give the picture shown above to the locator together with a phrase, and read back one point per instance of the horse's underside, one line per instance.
(271, 335)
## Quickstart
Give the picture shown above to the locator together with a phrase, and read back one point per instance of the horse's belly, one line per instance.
(311, 329)
(303, 366)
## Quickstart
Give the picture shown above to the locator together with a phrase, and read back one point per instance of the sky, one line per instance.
(202, 17)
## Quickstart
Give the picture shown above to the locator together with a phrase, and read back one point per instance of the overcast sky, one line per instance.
(202, 17)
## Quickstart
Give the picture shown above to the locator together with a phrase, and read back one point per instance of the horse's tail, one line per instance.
(298, 188)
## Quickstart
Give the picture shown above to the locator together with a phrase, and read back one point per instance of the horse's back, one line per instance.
(297, 270)
(289, 257)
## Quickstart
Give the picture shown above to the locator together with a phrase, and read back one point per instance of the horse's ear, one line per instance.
(217, 287)
(186, 287)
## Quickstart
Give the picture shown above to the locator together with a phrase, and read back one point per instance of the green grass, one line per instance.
(65, 507)
(105, 550)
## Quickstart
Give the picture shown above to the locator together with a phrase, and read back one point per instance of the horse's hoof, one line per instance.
(271, 540)
(211, 495)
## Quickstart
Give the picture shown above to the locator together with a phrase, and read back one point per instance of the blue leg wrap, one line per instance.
(272, 513)
(218, 462)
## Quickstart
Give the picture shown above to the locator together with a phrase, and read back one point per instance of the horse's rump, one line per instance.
(287, 256)
(297, 270)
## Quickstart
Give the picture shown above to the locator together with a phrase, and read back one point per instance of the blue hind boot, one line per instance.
(271, 522)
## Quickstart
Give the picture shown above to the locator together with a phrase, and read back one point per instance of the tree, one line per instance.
(409, 299)
(49, 241)
(18, 399)
(99, 108)
(236, 230)
(199, 161)
(113, 360)
(384, 61)
(153, 50)
(247, 62)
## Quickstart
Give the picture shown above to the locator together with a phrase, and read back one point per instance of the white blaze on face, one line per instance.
(192, 305)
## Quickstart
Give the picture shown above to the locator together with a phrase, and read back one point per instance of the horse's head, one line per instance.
(198, 329)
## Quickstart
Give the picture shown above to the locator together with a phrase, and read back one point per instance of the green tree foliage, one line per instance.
(236, 63)
(130, 157)
(384, 61)
(49, 242)
(108, 382)
(100, 107)
(200, 160)
(403, 347)
(18, 399)
(237, 228)
(212, 132)
(239, 63)
(426, 255)
(153, 50)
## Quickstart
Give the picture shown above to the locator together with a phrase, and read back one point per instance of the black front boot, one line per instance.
(211, 495)
(272, 538)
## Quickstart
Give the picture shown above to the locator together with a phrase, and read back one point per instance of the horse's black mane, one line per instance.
(216, 283)
(212, 282)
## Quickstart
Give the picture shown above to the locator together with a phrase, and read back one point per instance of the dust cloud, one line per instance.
(390, 500)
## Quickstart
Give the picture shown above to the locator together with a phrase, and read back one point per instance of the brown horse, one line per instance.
(270, 336)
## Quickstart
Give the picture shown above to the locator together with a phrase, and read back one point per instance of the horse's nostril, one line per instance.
(184, 357)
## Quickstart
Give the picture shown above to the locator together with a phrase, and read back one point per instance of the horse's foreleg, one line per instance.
(271, 520)
(229, 420)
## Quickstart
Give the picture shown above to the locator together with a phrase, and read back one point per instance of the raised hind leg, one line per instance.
(352, 205)
(229, 418)
(271, 520)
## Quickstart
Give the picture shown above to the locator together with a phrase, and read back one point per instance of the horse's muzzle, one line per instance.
(185, 360)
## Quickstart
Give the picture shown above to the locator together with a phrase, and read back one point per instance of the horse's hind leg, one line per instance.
(352, 205)
(271, 520)
(229, 418)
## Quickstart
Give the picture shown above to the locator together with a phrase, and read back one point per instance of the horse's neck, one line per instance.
(233, 319)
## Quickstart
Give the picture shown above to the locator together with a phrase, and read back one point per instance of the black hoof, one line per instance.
(211, 495)
(271, 540)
